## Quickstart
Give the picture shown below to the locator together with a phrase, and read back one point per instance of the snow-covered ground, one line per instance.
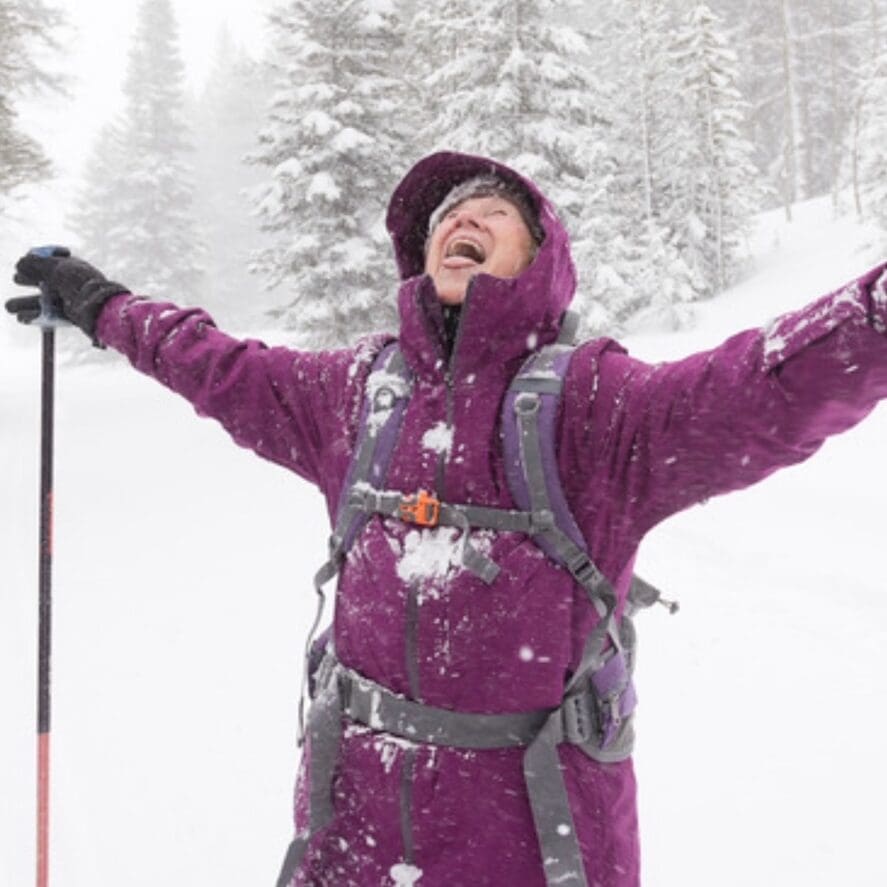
(183, 594)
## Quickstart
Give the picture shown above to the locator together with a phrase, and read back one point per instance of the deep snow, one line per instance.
(183, 594)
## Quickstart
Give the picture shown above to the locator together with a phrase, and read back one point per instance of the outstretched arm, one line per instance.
(295, 408)
(288, 406)
(663, 437)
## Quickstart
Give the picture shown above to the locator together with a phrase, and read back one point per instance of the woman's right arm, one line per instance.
(290, 407)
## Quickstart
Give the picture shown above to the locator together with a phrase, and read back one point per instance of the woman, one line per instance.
(486, 277)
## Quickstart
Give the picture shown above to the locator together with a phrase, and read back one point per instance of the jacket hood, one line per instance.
(508, 316)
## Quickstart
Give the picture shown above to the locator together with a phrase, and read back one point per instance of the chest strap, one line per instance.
(583, 718)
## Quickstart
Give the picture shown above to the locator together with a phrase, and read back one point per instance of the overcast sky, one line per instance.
(94, 63)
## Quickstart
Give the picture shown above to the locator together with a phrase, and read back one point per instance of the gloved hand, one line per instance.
(78, 290)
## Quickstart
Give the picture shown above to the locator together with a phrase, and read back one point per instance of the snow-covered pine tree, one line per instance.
(226, 118)
(801, 65)
(25, 27)
(333, 149)
(98, 220)
(833, 58)
(504, 78)
(138, 210)
(510, 79)
(712, 198)
(872, 143)
(766, 37)
(641, 276)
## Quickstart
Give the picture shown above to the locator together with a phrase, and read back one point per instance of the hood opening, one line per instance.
(425, 187)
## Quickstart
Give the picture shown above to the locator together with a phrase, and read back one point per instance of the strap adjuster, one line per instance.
(422, 509)
(584, 571)
(577, 718)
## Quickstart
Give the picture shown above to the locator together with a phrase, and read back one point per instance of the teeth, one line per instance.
(468, 248)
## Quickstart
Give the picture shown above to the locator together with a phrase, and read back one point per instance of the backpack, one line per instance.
(599, 699)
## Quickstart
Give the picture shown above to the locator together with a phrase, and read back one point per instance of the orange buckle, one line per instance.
(422, 509)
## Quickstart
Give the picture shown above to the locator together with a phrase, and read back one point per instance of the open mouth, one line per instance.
(462, 248)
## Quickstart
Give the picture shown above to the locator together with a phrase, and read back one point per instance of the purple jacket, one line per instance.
(636, 443)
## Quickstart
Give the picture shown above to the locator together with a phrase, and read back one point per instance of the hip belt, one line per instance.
(596, 718)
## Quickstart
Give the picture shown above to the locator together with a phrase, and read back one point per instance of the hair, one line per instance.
(489, 186)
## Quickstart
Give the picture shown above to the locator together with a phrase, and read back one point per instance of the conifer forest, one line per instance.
(659, 128)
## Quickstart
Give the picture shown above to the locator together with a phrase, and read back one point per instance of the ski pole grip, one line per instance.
(49, 314)
(43, 310)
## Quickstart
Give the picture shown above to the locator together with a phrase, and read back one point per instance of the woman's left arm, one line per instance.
(663, 437)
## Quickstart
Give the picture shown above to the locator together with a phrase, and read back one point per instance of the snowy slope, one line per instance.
(183, 595)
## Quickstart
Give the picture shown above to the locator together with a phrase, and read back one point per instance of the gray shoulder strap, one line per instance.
(569, 328)
(387, 392)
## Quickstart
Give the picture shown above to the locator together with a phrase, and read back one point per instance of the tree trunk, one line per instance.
(835, 114)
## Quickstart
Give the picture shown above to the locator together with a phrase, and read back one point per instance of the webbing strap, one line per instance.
(324, 742)
(346, 693)
(367, 500)
(294, 855)
(569, 328)
(388, 502)
(380, 420)
(562, 548)
(380, 423)
(376, 706)
(329, 570)
(550, 805)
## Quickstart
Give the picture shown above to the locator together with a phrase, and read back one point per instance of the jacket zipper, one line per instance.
(440, 475)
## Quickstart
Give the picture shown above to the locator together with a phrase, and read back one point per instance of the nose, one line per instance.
(464, 216)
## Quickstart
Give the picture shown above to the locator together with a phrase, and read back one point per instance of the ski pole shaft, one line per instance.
(44, 628)
(42, 311)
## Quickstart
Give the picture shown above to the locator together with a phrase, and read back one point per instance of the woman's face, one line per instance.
(481, 234)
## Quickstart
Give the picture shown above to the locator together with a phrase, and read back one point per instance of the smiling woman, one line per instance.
(483, 225)
(472, 716)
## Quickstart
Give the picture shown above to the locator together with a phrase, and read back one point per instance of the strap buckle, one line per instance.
(422, 509)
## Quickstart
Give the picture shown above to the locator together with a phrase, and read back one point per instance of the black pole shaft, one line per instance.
(45, 603)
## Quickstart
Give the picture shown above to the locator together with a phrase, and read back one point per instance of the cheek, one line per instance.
(522, 254)
(429, 258)
(432, 255)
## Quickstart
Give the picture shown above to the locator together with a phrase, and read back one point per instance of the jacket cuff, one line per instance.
(863, 302)
(107, 313)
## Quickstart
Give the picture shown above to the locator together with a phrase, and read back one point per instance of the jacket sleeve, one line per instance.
(659, 438)
(294, 408)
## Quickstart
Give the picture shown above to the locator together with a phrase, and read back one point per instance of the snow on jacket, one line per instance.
(636, 443)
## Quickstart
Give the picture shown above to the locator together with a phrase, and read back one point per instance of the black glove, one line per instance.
(78, 291)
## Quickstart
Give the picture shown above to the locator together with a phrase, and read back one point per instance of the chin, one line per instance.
(452, 294)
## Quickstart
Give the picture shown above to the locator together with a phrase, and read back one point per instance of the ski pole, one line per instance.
(44, 630)
(41, 312)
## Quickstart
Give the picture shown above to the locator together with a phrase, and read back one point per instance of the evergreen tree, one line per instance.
(873, 143)
(833, 50)
(332, 147)
(503, 78)
(226, 118)
(25, 25)
(640, 275)
(137, 209)
(99, 220)
(715, 193)
(801, 65)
